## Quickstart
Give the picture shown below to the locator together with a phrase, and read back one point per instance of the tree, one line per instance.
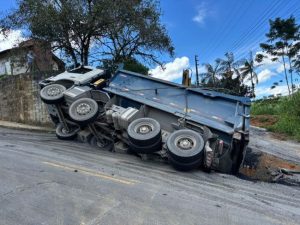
(132, 65)
(140, 37)
(229, 80)
(296, 58)
(135, 66)
(281, 44)
(232, 79)
(249, 70)
(210, 76)
(77, 27)
(229, 67)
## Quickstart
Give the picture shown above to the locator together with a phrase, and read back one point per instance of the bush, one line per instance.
(287, 110)
(265, 108)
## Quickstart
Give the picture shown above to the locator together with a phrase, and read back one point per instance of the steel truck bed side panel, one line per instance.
(219, 111)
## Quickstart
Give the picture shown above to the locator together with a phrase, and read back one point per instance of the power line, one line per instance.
(258, 37)
(257, 25)
(233, 25)
(225, 26)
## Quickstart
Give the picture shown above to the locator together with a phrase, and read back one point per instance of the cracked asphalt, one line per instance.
(47, 181)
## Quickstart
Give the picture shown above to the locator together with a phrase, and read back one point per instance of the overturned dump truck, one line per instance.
(188, 127)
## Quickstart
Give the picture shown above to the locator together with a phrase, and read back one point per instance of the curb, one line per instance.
(258, 128)
(21, 126)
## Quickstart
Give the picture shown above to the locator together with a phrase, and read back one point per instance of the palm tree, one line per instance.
(229, 66)
(232, 79)
(249, 69)
(210, 76)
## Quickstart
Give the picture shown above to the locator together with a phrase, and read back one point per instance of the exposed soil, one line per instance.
(263, 120)
(262, 166)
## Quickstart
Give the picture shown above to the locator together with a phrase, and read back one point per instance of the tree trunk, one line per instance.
(286, 77)
(291, 73)
(252, 83)
(73, 56)
(85, 51)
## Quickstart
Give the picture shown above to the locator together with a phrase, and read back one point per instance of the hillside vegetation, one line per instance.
(281, 115)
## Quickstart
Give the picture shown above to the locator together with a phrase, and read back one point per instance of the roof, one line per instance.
(29, 44)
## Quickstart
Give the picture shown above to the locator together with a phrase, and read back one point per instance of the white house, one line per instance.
(14, 61)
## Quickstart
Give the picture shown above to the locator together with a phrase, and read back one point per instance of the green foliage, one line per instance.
(233, 86)
(225, 76)
(109, 29)
(3, 76)
(288, 125)
(131, 64)
(248, 69)
(287, 111)
(265, 107)
(282, 44)
(135, 66)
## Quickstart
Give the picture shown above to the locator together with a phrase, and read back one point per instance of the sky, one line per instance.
(209, 29)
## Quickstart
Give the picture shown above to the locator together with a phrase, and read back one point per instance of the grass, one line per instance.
(287, 112)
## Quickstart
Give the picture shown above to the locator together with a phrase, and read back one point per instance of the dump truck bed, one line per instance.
(216, 110)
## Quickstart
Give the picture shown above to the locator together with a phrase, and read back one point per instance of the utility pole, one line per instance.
(197, 74)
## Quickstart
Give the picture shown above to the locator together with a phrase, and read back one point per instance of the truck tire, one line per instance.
(84, 111)
(144, 132)
(106, 147)
(157, 146)
(185, 166)
(63, 134)
(52, 94)
(185, 146)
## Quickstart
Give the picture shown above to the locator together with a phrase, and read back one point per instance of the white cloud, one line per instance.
(280, 68)
(266, 91)
(202, 13)
(265, 75)
(172, 70)
(13, 38)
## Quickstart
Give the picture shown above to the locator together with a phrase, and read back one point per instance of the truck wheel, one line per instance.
(185, 166)
(144, 132)
(107, 146)
(84, 111)
(185, 146)
(63, 134)
(52, 94)
(146, 149)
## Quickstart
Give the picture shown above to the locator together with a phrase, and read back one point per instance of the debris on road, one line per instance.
(260, 166)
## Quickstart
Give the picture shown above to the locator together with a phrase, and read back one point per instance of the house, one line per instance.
(14, 61)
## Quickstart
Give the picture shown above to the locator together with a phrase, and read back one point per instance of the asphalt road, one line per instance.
(261, 140)
(47, 181)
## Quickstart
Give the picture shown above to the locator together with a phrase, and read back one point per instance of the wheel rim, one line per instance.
(144, 128)
(64, 131)
(83, 109)
(185, 142)
(53, 91)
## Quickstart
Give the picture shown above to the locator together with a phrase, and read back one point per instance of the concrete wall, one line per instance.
(20, 101)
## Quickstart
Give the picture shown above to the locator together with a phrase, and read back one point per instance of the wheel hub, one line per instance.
(145, 129)
(64, 131)
(53, 91)
(185, 143)
(83, 109)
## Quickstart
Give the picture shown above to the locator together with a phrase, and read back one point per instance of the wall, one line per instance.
(20, 101)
